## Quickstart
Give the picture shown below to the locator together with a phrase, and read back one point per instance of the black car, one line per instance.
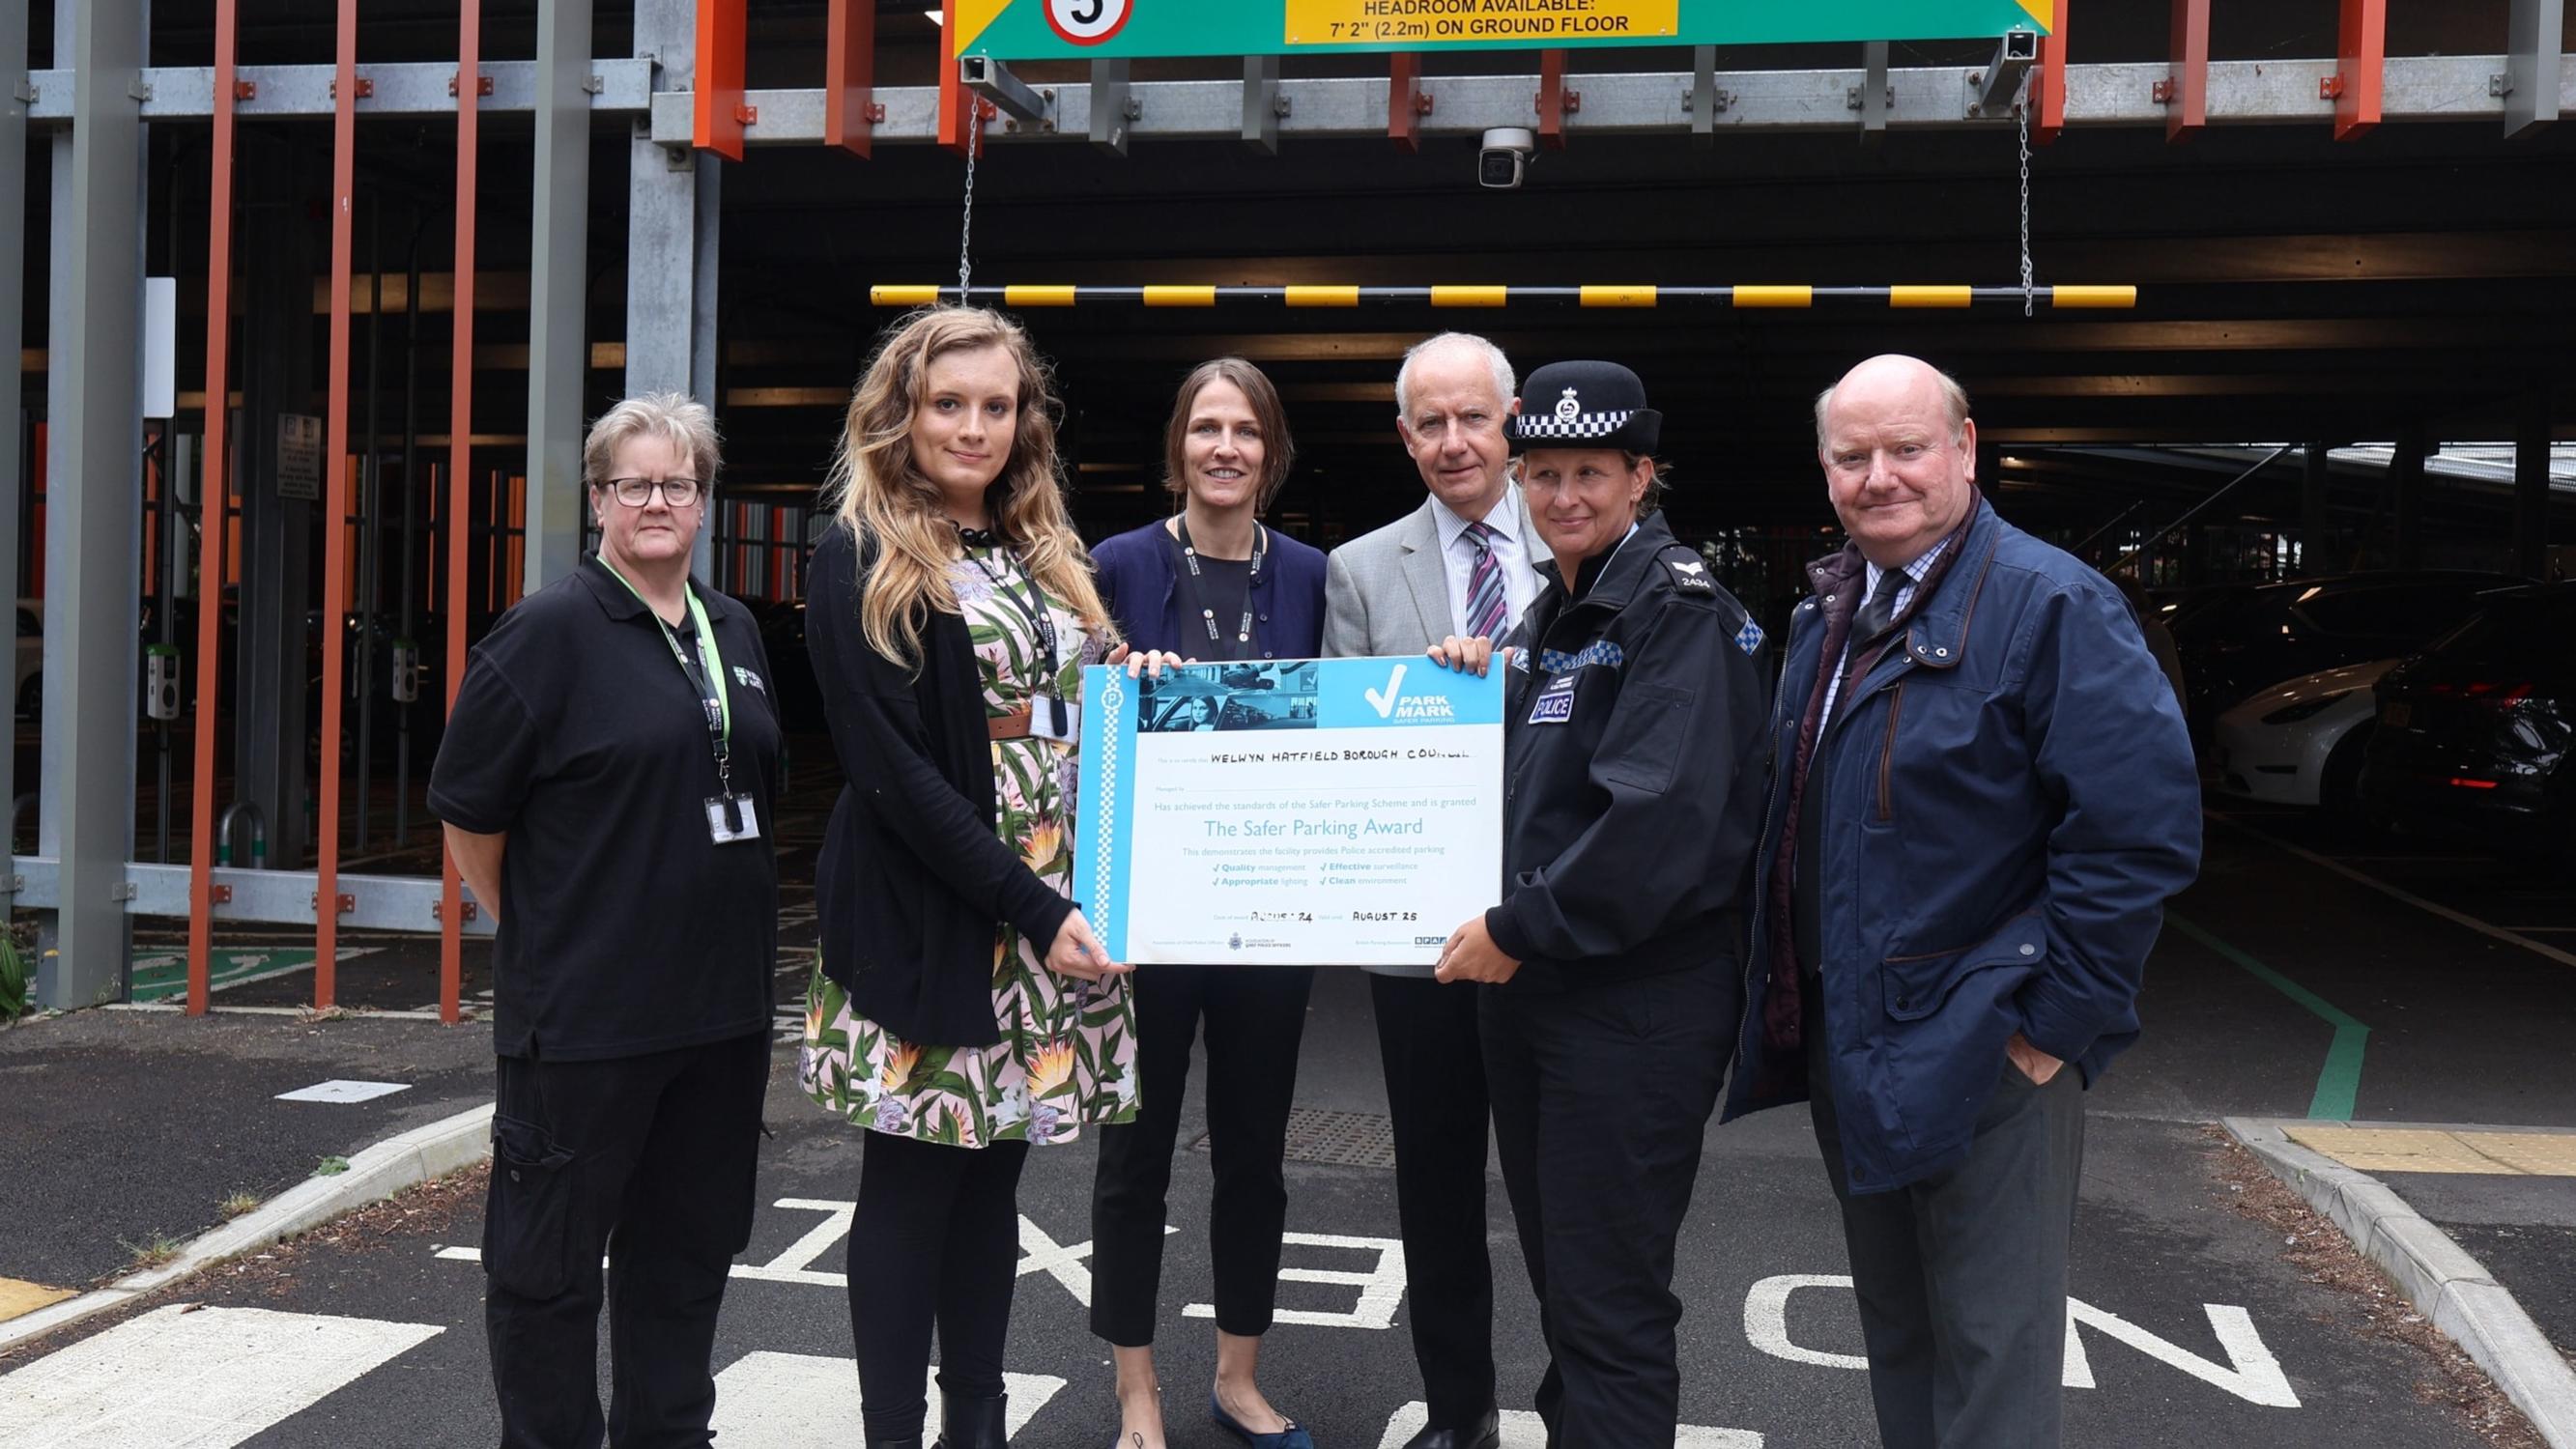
(2249, 640)
(2474, 733)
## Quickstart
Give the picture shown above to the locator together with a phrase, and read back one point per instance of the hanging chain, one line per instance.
(2021, 113)
(966, 229)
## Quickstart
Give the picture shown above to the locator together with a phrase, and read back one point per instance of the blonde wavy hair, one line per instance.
(881, 494)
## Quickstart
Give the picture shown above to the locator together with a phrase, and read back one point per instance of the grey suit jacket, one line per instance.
(1387, 592)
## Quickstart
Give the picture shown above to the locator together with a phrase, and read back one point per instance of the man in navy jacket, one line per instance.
(1982, 794)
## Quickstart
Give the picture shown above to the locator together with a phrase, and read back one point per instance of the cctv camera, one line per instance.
(1503, 157)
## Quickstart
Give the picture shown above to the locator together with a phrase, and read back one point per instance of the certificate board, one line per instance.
(1289, 812)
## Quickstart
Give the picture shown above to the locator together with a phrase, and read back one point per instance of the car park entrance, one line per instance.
(2331, 439)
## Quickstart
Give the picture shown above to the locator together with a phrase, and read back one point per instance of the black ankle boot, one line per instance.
(972, 1423)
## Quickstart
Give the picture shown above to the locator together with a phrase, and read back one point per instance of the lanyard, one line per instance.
(712, 689)
(1039, 618)
(1190, 555)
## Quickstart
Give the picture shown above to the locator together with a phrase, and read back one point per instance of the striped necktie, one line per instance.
(1485, 597)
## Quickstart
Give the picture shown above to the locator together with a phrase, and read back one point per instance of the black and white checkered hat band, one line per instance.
(1581, 425)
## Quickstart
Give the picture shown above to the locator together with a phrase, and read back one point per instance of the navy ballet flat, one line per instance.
(1292, 1437)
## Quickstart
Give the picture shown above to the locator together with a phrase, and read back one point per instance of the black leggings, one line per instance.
(936, 1236)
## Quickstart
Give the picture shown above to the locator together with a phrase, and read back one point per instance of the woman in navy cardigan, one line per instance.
(1211, 583)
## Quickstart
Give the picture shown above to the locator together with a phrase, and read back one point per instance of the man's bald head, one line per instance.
(1899, 368)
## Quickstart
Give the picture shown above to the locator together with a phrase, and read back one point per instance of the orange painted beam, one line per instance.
(849, 77)
(214, 491)
(460, 507)
(335, 509)
(720, 113)
(2186, 94)
(1405, 102)
(952, 90)
(2048, 84)
(2361, 68)
(1551, 99)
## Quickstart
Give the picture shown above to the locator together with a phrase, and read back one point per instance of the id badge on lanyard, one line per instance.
(1051, 715)
(731, 816)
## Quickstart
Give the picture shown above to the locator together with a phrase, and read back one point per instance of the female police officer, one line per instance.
(1633, 730)
(606, 782)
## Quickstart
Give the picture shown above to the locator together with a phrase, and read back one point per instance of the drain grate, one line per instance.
(1336, 1139)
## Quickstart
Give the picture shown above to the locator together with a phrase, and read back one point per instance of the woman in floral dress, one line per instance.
(962, 1009)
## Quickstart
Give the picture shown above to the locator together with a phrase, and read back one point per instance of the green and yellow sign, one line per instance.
(1110, 29)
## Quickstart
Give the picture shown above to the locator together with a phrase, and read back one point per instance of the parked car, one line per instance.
(2236, 645)
(2474, 733)
(2300, 743)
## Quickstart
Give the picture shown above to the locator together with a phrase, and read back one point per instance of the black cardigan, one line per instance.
(912, 881)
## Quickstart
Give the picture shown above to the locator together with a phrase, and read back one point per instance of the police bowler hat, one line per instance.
(1585, 405)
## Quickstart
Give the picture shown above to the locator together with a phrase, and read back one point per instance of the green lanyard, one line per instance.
(712, 658)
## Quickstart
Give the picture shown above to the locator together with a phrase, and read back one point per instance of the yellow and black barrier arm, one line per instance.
(2061, 298)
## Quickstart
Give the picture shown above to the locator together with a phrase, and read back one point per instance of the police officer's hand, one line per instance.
(1152, 661)
(1468, 656)
(1471, 955)
(1077, 952)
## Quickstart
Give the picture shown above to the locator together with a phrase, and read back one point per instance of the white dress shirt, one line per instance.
(1511, 555)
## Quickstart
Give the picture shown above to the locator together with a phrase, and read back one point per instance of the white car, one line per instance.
(2300, 742)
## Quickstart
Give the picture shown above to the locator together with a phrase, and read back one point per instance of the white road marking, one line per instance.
(793, 1399)
(2460, 918)
(794, 1263)
(338, 1090)
(1525, 1430)
(2251, 1372)
(185, 1377)
(1381, 1287)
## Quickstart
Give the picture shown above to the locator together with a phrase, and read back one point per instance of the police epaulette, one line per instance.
(1689, 570)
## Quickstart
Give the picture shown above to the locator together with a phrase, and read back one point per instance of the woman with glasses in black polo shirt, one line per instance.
(606, 782)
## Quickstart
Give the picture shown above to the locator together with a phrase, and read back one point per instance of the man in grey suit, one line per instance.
(1460, 564)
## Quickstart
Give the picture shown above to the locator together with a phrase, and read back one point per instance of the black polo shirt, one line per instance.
(625, 928)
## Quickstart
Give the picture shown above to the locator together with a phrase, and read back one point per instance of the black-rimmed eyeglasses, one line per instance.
(636, 492)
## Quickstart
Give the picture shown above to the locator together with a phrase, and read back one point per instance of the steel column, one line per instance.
(335, 514)
(1112, 106)
(1261, 103)
(459, 513)
(558, 292)
(2048, 81)
(721, 114)
(13, 316)
(673, 210)
(2361, 51)
(92, 570)
(2186, 93)
(2534, 52)
(2406, 490)
(850, 77)
(2531, 482)
(1405, 101)
(214, 495)
(2316, 546)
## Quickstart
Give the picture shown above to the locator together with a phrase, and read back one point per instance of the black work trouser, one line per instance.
(651, 1160)
(1961, 1276)
(935, 1240)
(1435, 1095)
(1255, 1018)
(1601, 1094)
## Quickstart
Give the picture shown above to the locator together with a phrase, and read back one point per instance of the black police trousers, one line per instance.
(650, 1159)
(1601, 1094)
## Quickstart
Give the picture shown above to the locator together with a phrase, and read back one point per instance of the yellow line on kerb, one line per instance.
(1037, 296)
(1180, 296)
(2064, 296)
(1774, 296)
(1616, 296)
(903, 296)
(1323, 296)
(1902, 296)
(1469, 296)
